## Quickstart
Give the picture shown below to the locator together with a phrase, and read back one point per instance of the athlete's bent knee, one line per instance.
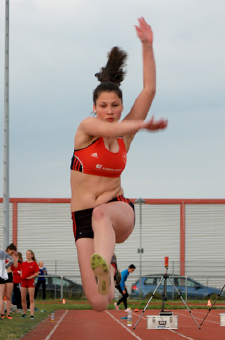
(98, 214)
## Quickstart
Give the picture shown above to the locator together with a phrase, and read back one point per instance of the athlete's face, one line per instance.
(108, 106)
(28, 255)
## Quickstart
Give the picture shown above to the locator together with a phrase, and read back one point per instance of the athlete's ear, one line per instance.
(94, 107)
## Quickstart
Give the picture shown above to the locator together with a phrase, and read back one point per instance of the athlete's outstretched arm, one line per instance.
(144, 100)
(94, 126)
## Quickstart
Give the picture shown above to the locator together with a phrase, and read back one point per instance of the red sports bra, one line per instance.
(96, 160)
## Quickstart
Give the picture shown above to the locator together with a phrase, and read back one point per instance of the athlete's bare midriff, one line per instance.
(9, 270)
(89, 191)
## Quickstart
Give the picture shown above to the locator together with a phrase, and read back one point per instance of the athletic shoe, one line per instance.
(24, 316)
(117, 276)
(9, 317)
(126, 310)
(116, 306)
(32, 317)
(101, 271)
(2, 316)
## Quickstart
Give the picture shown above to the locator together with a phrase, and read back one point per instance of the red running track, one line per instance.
(108, 325)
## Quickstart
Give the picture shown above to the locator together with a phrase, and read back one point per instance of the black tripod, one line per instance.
(213, 304)
(164, 296)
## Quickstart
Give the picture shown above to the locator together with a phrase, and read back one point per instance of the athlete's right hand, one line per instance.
(144, 31)
(153, 125)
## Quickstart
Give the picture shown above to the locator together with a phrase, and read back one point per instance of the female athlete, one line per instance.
(101, 215)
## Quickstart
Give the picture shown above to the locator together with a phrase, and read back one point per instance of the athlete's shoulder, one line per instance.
(86, 121)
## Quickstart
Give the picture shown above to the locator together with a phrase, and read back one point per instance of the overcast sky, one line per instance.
(57, 46)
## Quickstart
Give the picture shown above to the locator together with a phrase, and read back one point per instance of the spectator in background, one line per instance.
(17, 281)
(5, 262)
(41, 280)
(27, 297)
(12, 251)
(33, 256)
(122, 288)
(29, 271)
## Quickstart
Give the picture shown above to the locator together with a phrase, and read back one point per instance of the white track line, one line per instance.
(211, 315)
(127, 329)
(53, 330)
(171, 330)
(197, 318)
(184, 336)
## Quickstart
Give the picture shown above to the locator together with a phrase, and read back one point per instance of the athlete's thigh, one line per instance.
(122, 218)
(2, 289)
(23, 293)
(8, 289)
(31, 292)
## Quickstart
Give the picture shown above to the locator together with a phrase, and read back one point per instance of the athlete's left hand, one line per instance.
(15, 255)
(155, 124)
(144, 31)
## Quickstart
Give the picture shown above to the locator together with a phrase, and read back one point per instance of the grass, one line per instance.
(16, 328)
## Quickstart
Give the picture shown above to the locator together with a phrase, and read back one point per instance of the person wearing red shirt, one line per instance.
(17, 281)
(29, 271)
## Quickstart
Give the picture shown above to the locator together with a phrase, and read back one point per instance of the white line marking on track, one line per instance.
(53, 330)
(198, 318)
(137, 337)
(211, 315)
(171, 330)
(184, 336)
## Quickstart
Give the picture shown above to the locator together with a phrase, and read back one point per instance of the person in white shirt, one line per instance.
(5, 262)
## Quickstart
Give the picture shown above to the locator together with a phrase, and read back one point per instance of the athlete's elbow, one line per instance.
(151, 91)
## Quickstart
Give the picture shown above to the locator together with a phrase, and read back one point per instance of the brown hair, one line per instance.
(11, 247)
(33, 256)
(112, 74)
(20, 257)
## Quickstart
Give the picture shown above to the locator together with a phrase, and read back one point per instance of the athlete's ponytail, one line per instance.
(112, 74)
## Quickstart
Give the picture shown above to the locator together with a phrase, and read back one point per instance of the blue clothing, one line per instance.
(124, 276)
(41, 272)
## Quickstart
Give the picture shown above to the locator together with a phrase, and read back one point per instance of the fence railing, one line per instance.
(63, 287)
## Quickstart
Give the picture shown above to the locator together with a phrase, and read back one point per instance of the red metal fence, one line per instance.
(182, 202)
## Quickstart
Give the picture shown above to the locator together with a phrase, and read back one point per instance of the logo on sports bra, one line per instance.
(98, 166)
(94, 155)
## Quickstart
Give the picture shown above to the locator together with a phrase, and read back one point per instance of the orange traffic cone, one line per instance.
(63, 301)
(209, 303)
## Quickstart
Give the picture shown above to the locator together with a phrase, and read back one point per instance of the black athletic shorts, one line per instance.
(10, 278)
(82, 219)
(2, 281)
